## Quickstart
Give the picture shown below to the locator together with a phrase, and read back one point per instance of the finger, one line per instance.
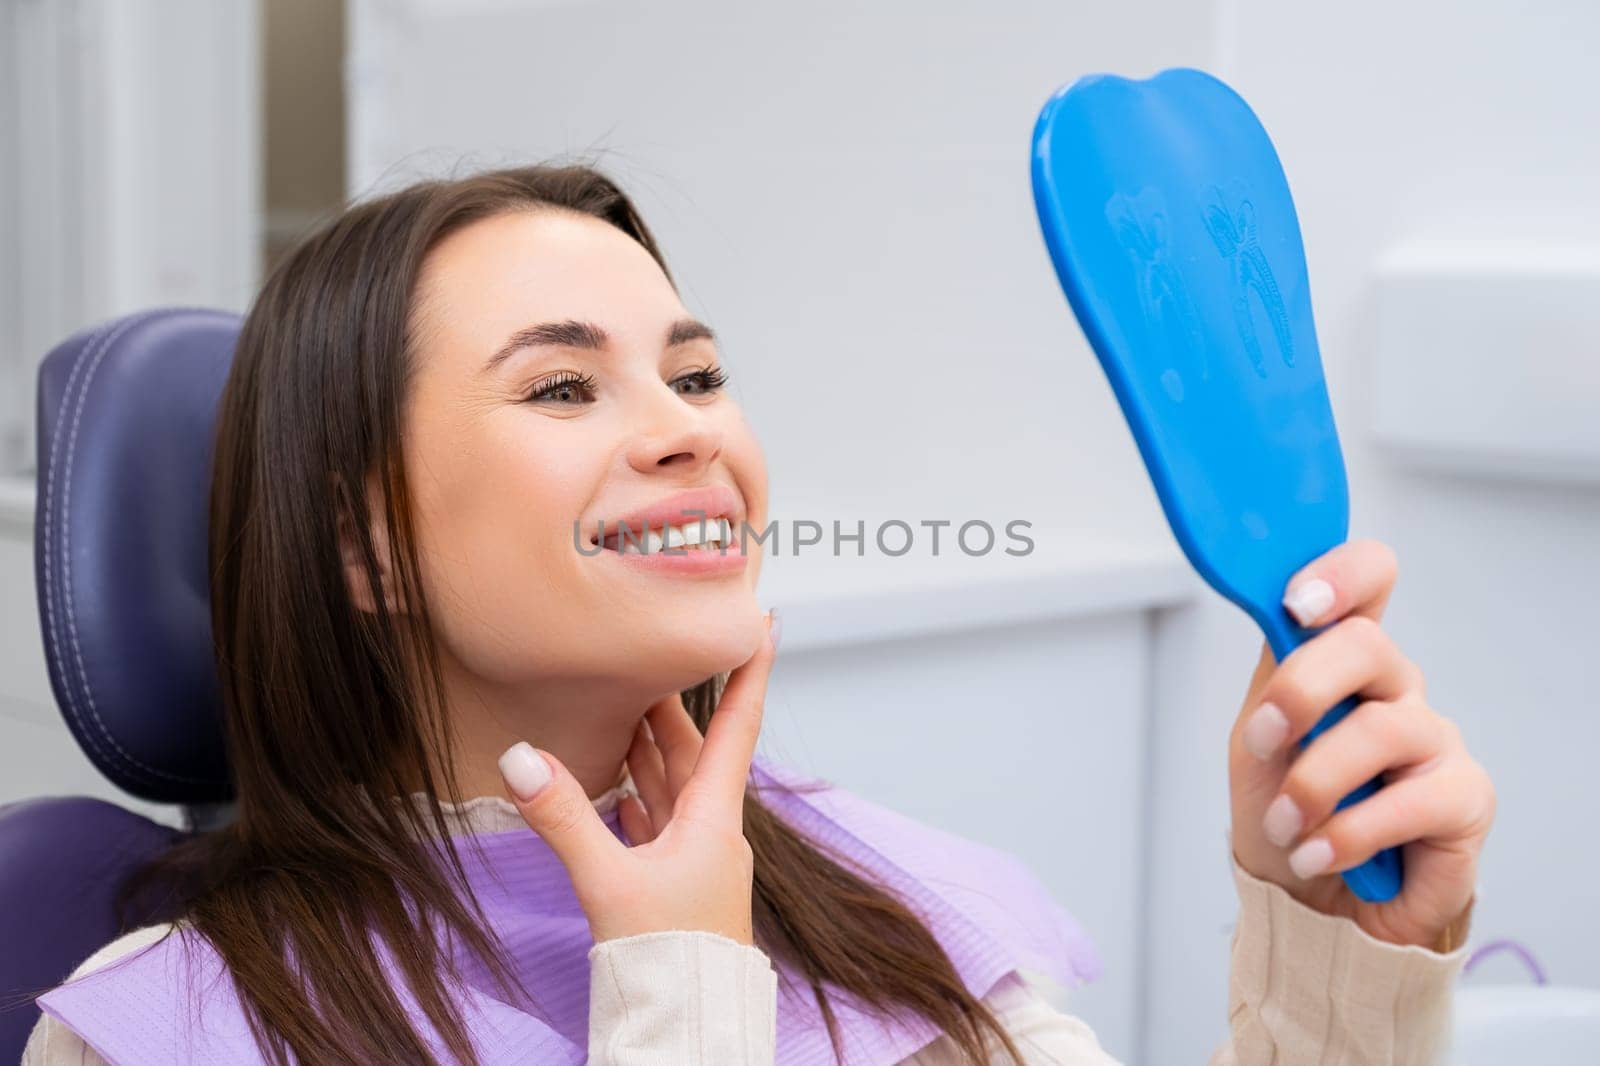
(724, 767)
(1445, 804)
(1375, 737)
(1353, 657)
(649, 777)
(636, 822)
(555, 806)
(1354, 578)
(678, 739)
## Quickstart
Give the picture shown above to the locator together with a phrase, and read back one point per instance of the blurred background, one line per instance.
(842, 190)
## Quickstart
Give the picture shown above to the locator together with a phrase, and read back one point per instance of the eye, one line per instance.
(565, 388)
(700, 382)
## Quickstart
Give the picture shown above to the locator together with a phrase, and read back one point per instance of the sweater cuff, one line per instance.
(1312, 984)
(681, 996)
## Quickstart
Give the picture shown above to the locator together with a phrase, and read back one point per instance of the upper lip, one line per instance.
(683, 508)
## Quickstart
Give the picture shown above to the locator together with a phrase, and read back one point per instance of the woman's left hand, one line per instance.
(1437, 804)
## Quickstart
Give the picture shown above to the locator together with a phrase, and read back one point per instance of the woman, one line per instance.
(441, 408)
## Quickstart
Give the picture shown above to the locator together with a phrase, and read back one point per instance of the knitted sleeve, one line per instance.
(1310, 987)
(681, 997)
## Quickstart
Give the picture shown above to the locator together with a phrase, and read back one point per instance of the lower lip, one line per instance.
(689, 562)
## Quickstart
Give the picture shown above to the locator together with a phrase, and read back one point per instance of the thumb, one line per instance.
(555, 806)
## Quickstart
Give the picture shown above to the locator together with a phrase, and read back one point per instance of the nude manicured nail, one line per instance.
(525, 772)
(1311, 858)
(1266, 731)
(1309, 600)
(1282, 821)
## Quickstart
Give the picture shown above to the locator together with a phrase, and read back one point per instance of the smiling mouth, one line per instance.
(711, 534)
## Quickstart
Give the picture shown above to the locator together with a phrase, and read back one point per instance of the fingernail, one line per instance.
(1311, 858)
(525, 772)
(1266, 731)
(776, 628)
(1282, 821)
(1309, 600)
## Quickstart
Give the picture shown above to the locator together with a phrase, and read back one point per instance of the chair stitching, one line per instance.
(66, 566)
(71, 606)
(99, 337)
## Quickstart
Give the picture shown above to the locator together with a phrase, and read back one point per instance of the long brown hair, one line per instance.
(323, 707)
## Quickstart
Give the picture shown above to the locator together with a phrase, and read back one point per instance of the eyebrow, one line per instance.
(574, 334)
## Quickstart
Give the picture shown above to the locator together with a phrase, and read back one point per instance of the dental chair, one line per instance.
(125, 418)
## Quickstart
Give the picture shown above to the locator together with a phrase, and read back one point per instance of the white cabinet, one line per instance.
(1487, 358)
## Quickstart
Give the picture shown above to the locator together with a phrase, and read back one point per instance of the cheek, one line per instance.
(502, 575)
(748, 465)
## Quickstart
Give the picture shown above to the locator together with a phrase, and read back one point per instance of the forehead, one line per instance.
(502, 273)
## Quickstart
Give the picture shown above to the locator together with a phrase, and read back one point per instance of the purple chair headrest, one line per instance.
(126, 417)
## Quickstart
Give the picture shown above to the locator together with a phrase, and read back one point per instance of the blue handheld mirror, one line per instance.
(1173, 233)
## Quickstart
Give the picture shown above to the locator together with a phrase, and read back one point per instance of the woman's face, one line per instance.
(560, 383)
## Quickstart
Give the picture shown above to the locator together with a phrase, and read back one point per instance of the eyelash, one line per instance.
(710, 379)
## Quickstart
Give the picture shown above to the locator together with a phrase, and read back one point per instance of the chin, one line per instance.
(691, 649)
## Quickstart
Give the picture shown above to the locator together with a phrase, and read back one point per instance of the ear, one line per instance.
(357, 581)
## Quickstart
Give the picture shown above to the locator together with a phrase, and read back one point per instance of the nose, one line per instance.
(682, 439)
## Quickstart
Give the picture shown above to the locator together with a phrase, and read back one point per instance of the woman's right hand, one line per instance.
(689, 865)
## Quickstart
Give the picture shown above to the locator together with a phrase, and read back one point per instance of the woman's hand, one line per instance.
(689, 866)
(1438, 803)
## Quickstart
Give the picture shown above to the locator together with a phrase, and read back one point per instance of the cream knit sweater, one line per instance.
(1304, 988)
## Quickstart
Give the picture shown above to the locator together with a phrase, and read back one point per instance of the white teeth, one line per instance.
(646, 543)
(717, 532)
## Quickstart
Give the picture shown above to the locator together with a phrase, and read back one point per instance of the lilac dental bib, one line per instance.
(173, 1003)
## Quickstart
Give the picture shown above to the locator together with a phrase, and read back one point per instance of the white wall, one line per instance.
(128, 173)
